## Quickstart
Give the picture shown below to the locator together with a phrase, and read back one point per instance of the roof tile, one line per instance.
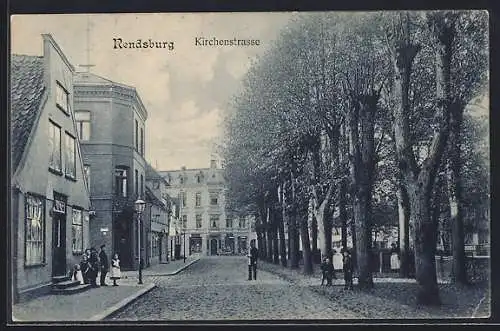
(26, 92)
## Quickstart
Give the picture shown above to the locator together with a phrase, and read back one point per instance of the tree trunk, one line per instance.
(293, 242)
(314, 234)
(459, 274)
(269, 235)
(306, 246)
(274, 223)
(404, 231)
(343, 211)
(362, 153)
(281, 231)
(425, 237)
(363, 239)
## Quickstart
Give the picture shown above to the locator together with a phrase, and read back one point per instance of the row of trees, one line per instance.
(362, 115)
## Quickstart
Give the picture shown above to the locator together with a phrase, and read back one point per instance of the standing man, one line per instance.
(348, 268)
(253, 254)
(104, 265)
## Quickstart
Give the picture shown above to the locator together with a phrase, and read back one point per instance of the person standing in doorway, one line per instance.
(253, 254)
(103, 258)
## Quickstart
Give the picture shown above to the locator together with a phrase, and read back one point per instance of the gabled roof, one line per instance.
(150, 196)
(152, 174)
(26, 92)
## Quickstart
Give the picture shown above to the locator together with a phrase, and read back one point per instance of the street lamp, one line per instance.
(139, 208)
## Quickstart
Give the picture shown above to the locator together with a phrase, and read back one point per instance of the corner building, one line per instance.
(111, 121)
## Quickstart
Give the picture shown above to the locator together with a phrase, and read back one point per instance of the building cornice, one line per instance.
(83, 90)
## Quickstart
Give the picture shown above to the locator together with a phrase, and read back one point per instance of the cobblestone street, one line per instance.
(216, 288)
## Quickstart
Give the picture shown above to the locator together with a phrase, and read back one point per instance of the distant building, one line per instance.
(159, 205)
(50, 199)
(206, 226)
(111, 121)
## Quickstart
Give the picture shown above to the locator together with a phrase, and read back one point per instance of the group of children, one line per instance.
(87, 270)
(328, 270)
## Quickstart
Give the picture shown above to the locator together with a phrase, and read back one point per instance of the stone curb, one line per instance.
(121, 304)
(173, 273)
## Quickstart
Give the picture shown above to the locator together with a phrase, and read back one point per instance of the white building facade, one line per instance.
(206, 227)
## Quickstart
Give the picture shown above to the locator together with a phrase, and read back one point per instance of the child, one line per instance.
(77, 274)
(115, 269)
(84, 269)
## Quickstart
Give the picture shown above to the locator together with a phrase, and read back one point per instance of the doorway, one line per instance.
(59, 244)
(213, 246)
(122, 242)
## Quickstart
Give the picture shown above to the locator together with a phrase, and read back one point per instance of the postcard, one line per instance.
(250, 166)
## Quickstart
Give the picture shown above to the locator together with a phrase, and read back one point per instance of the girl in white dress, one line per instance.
(115, 269)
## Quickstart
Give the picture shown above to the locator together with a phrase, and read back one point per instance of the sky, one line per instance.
(185, 90)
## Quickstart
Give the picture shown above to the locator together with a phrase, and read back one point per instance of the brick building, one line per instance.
(111, 122)
(50, 200)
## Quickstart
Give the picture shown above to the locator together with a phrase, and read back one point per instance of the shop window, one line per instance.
(34, 231)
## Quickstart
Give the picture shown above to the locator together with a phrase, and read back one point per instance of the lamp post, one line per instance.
(139, 208)
(184, 233)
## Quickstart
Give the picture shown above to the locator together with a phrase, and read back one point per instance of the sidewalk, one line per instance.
(95, 304)
(170, 268)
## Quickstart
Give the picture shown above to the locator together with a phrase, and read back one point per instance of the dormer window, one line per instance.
(199, 177)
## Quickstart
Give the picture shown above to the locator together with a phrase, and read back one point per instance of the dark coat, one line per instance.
(103, 258)
(327, 269)
(347, 260)
(254, 255)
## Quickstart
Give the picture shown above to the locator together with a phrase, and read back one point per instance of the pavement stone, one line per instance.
(216, 288)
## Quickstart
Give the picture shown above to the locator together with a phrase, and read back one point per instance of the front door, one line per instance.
(59, 244)
(213, 247)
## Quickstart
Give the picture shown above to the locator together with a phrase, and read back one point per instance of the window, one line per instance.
(62, 98)
(182, 198)
(156, 184)
(198, 221)
(136, 135)
(142, 185)
(136, 182)
(86, 173)
(70, 164)
(82, 119)
(77, 231)
(184, 221)
(155, 244)
(55, 160)
(229, 223)
(198, 199)
(34, 231)
(213, 164)
(121, 182)
(213, 199)
(142, 141)
(214, 221)
(242, 222)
